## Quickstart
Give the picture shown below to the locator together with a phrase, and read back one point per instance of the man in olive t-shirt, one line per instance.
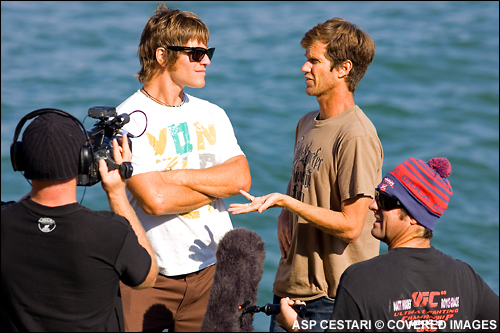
(324, 225)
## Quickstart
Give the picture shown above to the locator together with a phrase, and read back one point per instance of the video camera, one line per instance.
(109, 125)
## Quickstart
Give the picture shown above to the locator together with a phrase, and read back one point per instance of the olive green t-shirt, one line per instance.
(335, 159)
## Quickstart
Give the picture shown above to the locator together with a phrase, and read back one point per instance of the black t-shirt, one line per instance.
(409, 289)
(61, 267)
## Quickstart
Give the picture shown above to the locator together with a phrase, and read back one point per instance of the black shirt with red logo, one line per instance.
(413, 290)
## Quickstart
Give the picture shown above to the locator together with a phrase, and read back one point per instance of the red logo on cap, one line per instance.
(385, 183)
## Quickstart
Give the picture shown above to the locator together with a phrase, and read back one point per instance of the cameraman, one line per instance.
(62, 262)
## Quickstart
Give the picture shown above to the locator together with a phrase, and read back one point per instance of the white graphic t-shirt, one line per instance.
(195, 135)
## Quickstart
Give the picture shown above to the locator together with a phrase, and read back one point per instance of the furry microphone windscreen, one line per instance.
(240, 264)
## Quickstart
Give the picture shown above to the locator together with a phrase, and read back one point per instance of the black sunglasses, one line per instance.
(197, 53)
(386, 201)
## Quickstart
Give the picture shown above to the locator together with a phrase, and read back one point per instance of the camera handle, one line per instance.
(126, 168)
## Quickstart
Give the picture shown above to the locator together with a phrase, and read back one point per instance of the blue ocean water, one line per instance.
(432, 90)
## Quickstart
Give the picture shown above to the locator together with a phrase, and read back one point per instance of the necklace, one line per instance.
(158, 101)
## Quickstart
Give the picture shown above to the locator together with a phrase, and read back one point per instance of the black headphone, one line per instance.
(86, 152)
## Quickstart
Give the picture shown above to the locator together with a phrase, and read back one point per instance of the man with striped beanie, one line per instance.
(414, 286)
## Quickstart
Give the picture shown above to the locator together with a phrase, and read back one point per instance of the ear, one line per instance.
(345, 68)
(160, 56)
(412, 220)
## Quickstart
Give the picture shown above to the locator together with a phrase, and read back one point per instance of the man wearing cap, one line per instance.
(62, 262)
(414, 286)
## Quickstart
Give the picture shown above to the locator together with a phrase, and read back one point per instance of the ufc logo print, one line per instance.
(423, 298)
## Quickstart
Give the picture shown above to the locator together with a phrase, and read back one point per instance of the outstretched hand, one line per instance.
(259, 204)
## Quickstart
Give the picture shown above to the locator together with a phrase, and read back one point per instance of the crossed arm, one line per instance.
(181, 191)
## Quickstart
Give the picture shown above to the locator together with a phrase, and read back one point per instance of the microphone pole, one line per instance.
(273, 309)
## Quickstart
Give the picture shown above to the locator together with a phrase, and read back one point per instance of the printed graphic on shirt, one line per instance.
(208, 134)
(178, 136)
(159, 144)
(46, 224)
(181, 138)
(196, 214)
(436, 306)
(305, 163)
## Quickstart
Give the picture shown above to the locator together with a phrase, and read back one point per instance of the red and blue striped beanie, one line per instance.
(422, 188)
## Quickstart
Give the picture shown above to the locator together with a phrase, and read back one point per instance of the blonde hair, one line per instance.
(167, 27)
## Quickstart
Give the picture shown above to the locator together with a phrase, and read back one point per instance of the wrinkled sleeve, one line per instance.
(357, 173)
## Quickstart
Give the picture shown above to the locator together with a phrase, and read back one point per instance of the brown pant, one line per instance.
(175, 303)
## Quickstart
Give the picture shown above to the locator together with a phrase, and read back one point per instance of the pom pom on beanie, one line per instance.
(441, 165)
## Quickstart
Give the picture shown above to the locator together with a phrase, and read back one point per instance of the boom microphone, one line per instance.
(240, 264)
(274, 309)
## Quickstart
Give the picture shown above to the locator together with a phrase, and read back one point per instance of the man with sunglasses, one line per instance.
(324, 225)
(414, 286)
(186, 161)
